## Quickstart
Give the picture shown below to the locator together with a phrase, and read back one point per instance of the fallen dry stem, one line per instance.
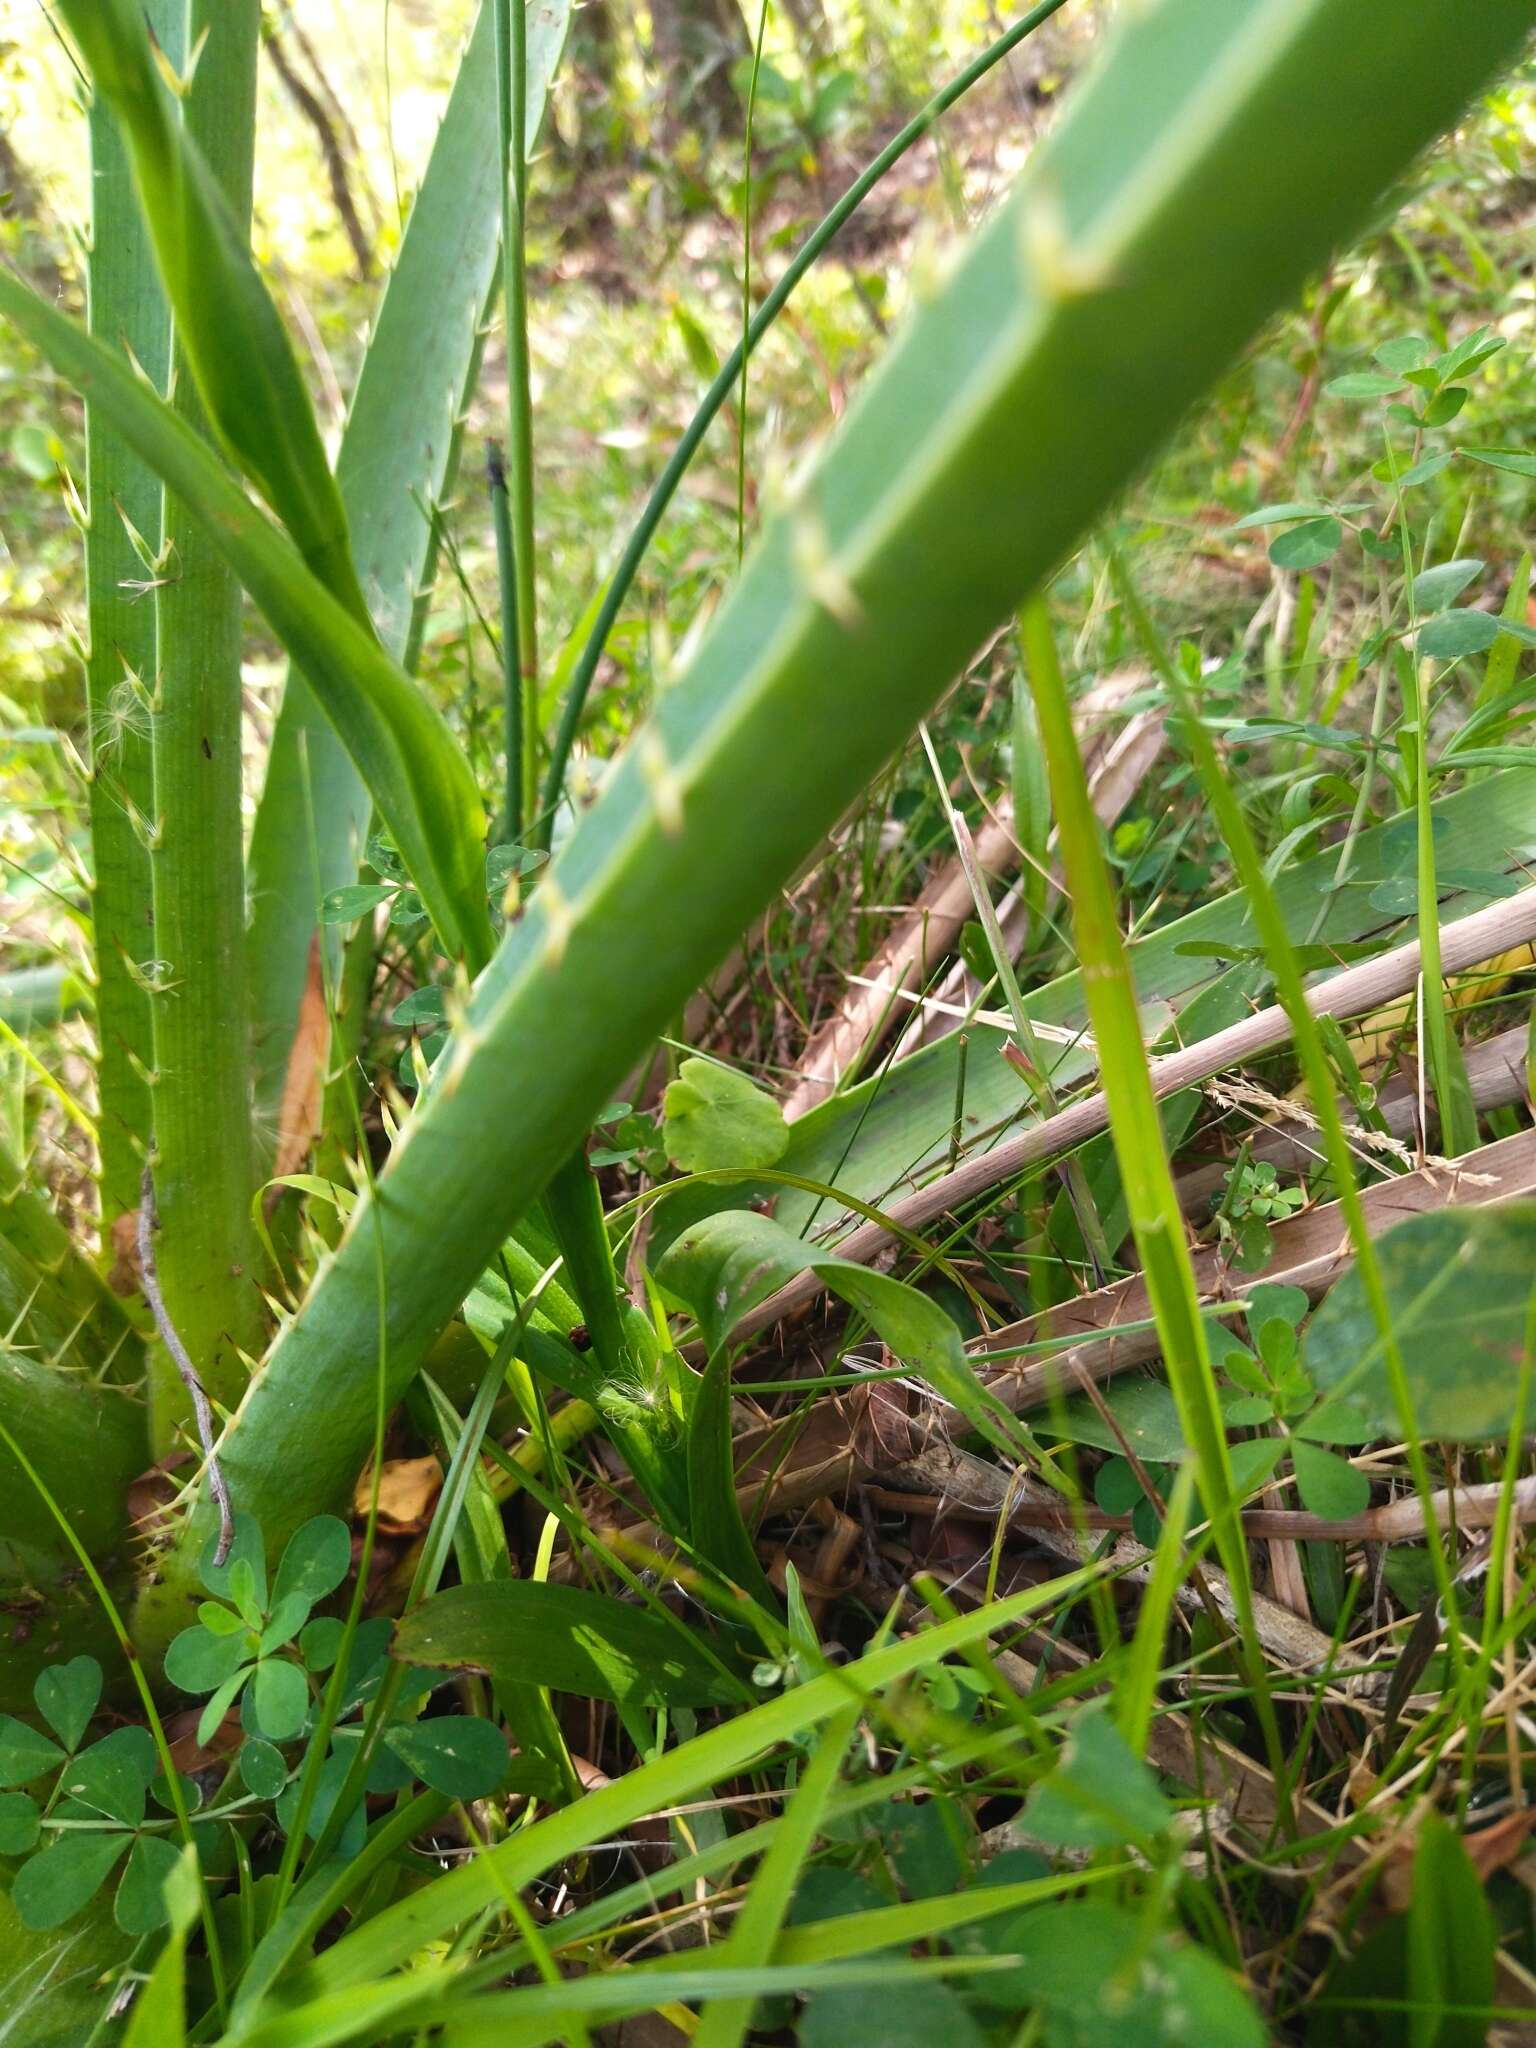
(1351, 993)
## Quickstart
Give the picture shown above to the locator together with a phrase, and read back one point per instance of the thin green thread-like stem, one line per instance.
(744, 349)
(511, 662)
(727, 381)
(512, 122)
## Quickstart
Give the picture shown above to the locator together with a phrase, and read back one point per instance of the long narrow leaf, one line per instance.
(227, 326)
(395, 466)
(415, 772)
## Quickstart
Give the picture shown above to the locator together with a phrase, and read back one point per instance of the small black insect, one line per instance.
(581, 1338)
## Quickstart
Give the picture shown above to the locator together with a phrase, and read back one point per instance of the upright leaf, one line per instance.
(228, 329)
(1452, 1943)
(414, 769)
(394, 469)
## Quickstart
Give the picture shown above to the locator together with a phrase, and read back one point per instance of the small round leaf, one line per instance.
(1451, 634)
(262, 1768)
(316, 1561)
(200, 1662)
(1307, 545)
(280, 1699)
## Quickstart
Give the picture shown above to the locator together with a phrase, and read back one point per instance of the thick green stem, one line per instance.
(206, 1251)
(512, 116)
(127, 311)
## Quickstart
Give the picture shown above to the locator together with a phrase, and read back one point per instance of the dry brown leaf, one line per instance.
(123, 1278)
(408, 1489)
(298, 1118)
(1495, 1848)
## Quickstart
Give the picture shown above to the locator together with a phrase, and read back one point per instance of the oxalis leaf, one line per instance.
(67, 1695)
(53, 1885)
(1458, 1286)
(730, 1262)
(316, 1561)
(522, 1632)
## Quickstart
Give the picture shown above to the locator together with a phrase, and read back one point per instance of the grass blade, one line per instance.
(1146, 1177)
(400, 1931)
(726, 2020)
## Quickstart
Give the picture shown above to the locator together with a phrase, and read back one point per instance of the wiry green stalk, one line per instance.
(744, 347)
(1009, 416)
(511, 659)
(512, 119)
(204, 1176)
(1152, 1202)
(127, 311)
(1318, 1076)
(1442, 1054)
(728, 380)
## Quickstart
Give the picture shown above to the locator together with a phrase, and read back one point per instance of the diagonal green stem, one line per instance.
(1232, 824)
